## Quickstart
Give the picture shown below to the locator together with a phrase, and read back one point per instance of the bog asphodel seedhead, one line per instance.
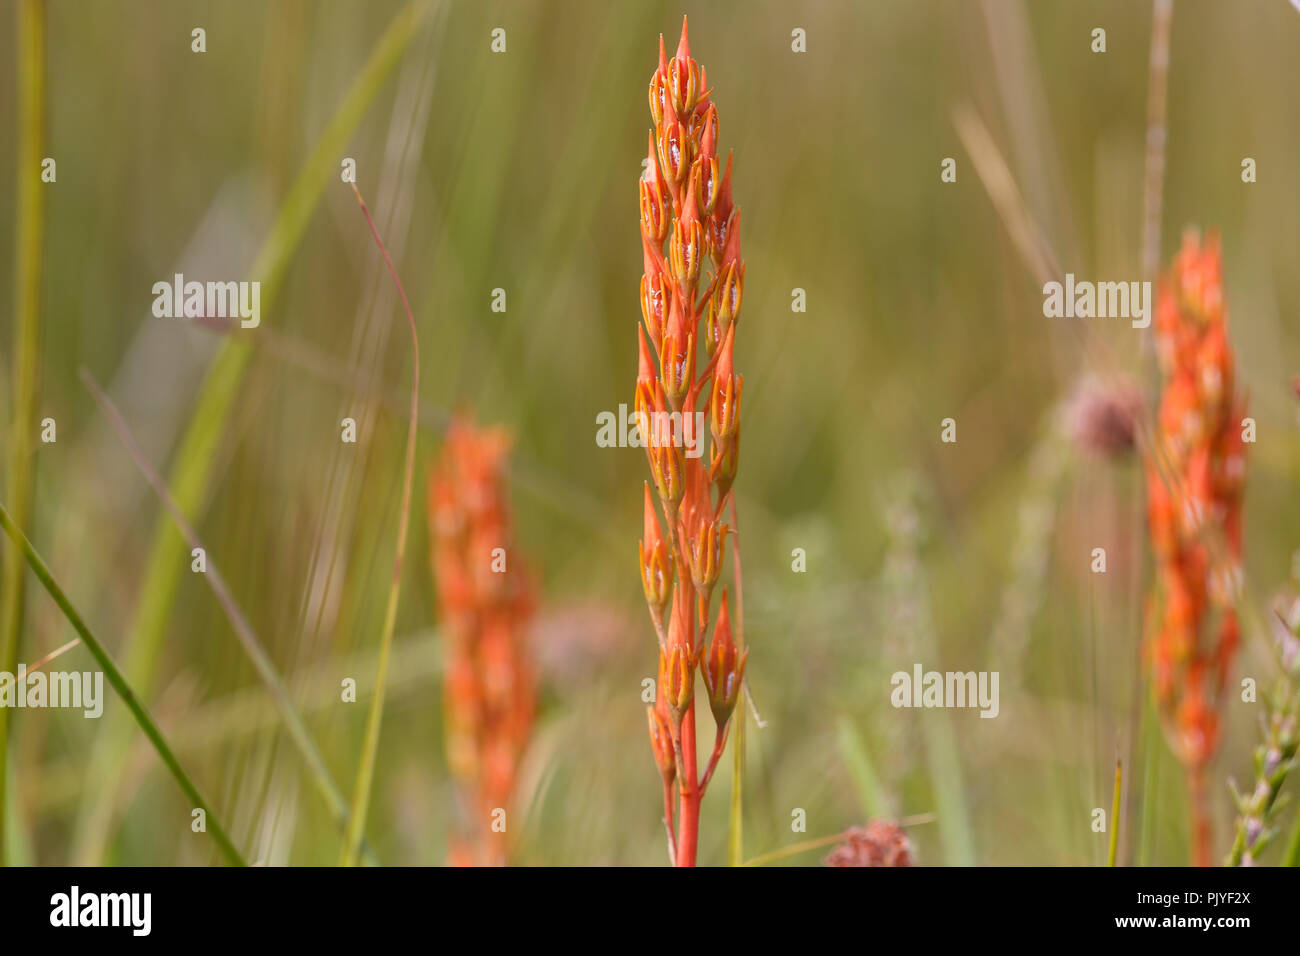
(686, 202)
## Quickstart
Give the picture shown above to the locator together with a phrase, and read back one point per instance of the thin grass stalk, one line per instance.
(736, 820)
(1113, 850)
(370, 746)
(804, 846)
(1292, 855)
(244, 632)
(120, 685)
(191, 470)
(29, 242)
(1162, 15)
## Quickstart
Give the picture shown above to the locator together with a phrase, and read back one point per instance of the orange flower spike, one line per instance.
(701, 223)
(723, 668)
(1198, 435)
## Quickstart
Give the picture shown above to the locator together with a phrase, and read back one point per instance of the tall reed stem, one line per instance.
(29, 241)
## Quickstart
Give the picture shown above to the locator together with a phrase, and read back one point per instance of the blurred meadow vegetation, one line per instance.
(518, 171)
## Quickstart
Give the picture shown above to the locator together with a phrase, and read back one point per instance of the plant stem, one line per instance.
(1114, 814)
(736, 820)
(1200, 818)
(688, 832)
(120, 685)
(365, 772)
(1292, 855)
(29, 241)
(668, 820)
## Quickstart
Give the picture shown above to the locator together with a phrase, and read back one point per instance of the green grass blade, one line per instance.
(736, 813)
(1291, 857)
(29, 242)
(875, 804)
(120, 685)
(191, 470)
(1114, 814)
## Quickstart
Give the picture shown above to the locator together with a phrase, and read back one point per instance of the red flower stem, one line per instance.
(1200, 819)
(688, 829)
(719, 745)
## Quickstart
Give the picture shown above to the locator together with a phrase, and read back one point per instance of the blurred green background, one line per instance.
(518, 171)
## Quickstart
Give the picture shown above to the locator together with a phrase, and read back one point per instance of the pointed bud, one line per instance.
(686, 248)
(684, 86)
(656, 289)
(674, 148)
(723, 668)
(661, 743)
(731, 245)
(707, 127)
(725, 205)
(704, 187)
(656, 575)
(659, 100)
(654, 214)
(677, 354)
(678, 660)
(724, 403)
(723, 464)
(707, 550)
(667, 463)
(723, 306)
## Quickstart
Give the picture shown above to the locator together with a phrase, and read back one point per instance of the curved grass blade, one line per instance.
(370, 746)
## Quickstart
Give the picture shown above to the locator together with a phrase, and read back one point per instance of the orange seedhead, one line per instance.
(690, 305)
(1195, 478)
(486, 604)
